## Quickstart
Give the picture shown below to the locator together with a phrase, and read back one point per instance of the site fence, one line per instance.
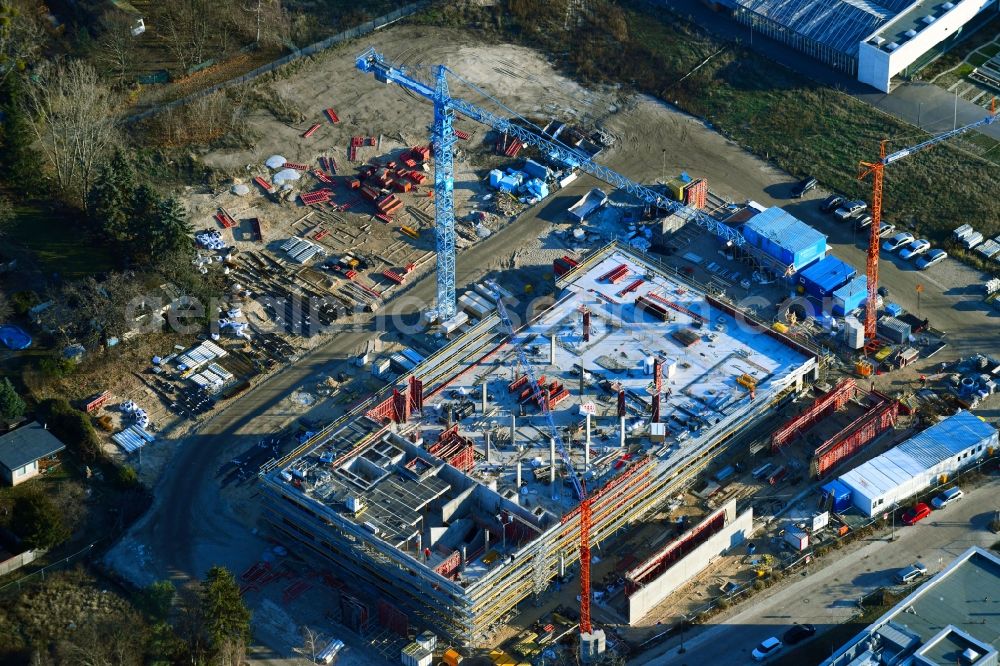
(312, 49)
(15, 585)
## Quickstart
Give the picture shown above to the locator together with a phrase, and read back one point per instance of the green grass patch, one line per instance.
(962, 71)
(978, 59)
(59, 241)
(808, 129)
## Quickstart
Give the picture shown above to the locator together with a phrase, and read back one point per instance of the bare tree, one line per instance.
(232, 652)
(269, 22)
(310, 644)
(118, 47)
(196, 30)
(21, 36)
(72, 116)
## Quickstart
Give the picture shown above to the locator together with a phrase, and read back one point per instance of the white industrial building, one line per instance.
(905, 39)
(874, 40)
(919, 462)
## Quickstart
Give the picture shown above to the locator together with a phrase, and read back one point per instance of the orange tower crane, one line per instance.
(877, 171)
(585, 627)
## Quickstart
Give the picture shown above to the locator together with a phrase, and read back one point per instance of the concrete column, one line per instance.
(513, 431)
(484, 396)
(552, 349)
(552, 460)
(562, 565)
(586, 447)
(621, 432)
(815, 376)
(463, 558)
(517, 474)
(486, 540)
(488, 449)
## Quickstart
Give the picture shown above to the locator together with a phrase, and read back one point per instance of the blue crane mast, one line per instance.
(443, 140)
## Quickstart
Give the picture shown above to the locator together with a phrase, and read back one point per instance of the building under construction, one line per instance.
(444, 499)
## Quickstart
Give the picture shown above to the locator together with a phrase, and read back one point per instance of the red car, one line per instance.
(917, 513)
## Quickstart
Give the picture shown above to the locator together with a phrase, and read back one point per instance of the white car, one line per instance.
(884, 229)
(914, 248)
(850, 209)
(935, 256)
(953, 494)
(898, 241)
(767, 649)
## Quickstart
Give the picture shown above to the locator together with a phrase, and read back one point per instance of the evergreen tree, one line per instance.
(11, 405)
(110, 200)
(37, 521)
(18, 163)
(143, 210)
(169, 230)
(226, 617)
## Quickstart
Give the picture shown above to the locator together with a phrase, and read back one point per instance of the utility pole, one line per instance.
(920, 290)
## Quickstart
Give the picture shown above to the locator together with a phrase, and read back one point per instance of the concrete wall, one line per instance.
(876, 67)
(19, 561)
(649, 596)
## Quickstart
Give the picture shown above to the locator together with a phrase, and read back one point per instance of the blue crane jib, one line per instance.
(443, 140)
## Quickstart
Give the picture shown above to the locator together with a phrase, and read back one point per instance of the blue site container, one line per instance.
(785, 237)
(536, 170)
(826, 276)
(850, 296)
(840, 494)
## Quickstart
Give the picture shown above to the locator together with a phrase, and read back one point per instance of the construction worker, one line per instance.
(923, 380)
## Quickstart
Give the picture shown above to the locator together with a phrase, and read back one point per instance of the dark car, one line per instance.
(832, 203)
(804, 186)
(798, 633)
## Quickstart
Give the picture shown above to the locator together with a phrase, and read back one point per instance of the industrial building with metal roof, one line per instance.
(953, 618)
(919, 462)
(871, 40)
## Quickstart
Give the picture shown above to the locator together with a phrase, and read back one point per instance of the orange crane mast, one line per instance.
(877, 172)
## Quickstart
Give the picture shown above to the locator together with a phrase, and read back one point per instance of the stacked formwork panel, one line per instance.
(881, 416)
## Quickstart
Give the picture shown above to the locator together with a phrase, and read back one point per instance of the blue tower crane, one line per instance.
(443, 139)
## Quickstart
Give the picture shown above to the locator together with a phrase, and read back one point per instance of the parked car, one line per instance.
(803, 186)
(798, 633)
(898, 241)
(916, 513)
(935, 256)
(915, 248)
(767, 649)
(862, 221)
(953, 494)
(910, 573)
(850, 209)
(885, 229)
(832, 203)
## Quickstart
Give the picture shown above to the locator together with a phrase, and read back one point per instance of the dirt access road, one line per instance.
(194, 522)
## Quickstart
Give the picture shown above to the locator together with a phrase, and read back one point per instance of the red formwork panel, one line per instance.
(824, 405)
(857, 435)
(312, 130)
(657, 564)
(332, 115)
(677, 307)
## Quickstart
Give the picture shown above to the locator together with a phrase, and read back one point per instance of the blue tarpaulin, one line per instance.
(13, 337)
